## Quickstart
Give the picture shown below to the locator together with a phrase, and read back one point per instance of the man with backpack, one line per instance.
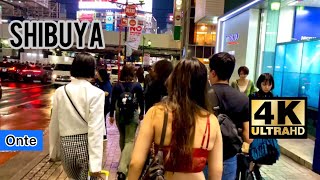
(232, 110)
(127, 96)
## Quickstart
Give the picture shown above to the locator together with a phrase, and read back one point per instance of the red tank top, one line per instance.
(199, 156)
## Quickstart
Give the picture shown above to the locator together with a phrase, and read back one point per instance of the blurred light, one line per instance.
(215, 20)
(28, 54)
(34, 54)
(275, 6)
(269, 67)
(292, 3)
(149, 43)
(203, 27)
(54, 76)
(5, 41)
(302, 11)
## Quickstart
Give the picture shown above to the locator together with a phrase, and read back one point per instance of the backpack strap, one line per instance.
(217, 105)
(123, 88)
(164, 129)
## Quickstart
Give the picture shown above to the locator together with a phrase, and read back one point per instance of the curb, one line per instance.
(287, 152)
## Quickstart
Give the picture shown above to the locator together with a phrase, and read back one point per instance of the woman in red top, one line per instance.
(193, 134)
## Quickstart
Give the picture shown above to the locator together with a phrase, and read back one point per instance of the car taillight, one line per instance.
(12, 69)
(36, 71)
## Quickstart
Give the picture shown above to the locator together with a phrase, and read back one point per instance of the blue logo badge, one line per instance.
(21, 140)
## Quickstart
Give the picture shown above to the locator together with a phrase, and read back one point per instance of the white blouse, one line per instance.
(65, 121)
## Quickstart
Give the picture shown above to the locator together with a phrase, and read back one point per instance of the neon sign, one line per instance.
(232, 39)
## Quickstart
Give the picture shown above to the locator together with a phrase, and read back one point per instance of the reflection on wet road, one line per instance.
(24, 107)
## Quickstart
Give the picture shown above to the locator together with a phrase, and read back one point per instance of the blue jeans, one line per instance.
(229, 169)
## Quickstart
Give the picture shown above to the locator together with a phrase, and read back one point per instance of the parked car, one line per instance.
(4, 66)
(37, 73)
(15, 71)
(61, 74)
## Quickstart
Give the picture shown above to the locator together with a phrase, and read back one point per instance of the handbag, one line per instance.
(155, 170)
(264, 151)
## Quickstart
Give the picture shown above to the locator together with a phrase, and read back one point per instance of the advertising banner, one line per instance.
(86, 15)
(134, 35)
(105, 4)
(109, 23)
(146, 59)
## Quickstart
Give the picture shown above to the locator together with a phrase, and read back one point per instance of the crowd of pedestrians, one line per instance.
(183, 113)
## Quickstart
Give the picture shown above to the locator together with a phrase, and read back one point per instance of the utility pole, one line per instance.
(125, 39)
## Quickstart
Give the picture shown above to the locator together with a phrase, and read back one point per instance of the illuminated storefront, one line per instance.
(280, 37)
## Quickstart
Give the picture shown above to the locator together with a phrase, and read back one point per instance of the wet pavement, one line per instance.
(19, 93)
(24, 107)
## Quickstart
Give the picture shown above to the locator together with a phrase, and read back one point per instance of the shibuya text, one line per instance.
(56, 34)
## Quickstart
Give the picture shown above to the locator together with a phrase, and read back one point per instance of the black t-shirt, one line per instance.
(235, 103)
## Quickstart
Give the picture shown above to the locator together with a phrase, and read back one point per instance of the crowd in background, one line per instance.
(179, 119)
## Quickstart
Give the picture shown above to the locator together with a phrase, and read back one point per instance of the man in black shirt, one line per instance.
(236, 105)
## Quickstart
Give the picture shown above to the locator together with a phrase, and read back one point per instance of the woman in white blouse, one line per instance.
(77, 122)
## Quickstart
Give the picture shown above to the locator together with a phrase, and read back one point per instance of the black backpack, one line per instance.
(232, 142)
(127, 102)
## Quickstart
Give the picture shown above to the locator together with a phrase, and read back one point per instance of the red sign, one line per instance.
(133, 22)
(130, 10)
(86, 17)
(136, 29)
(124, 21)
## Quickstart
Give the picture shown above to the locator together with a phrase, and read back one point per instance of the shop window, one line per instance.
(207, 52)
(199, 51)
(311, 56)
(293, 58)
(205, 34)
(191, 51)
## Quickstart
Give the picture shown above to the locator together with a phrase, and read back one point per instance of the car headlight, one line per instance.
(54, 76)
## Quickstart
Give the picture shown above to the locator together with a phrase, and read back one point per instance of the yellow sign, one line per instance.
(278, 118)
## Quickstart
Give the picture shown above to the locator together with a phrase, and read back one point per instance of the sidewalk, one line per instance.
(27, 166)
(41, 168)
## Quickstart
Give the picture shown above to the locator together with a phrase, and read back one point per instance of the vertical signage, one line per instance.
(177, 20)
(109, 22)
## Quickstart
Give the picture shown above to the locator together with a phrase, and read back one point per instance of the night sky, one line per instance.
(161, 10)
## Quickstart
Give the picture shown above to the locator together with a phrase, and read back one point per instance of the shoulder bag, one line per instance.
(155, 170)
